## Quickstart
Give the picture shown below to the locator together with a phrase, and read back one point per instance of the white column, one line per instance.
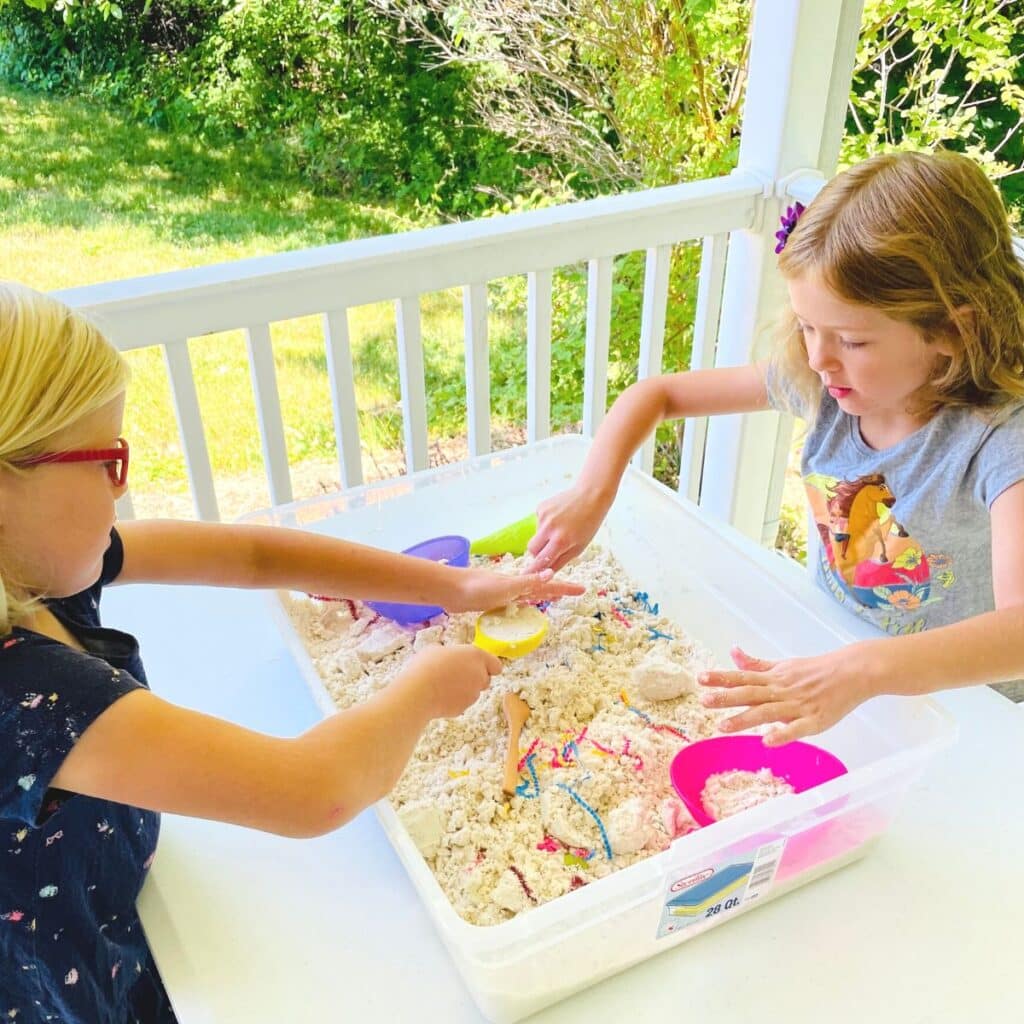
(801, 63)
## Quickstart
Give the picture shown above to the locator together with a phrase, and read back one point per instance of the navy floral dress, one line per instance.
(71, 944)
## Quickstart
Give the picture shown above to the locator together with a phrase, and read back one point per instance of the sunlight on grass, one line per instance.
(85, 198)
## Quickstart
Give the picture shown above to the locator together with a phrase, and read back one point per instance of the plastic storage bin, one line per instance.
(722, 589)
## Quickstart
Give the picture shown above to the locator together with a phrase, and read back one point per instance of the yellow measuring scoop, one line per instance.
(511, 632)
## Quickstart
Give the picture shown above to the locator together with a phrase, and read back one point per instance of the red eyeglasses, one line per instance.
(115, 458)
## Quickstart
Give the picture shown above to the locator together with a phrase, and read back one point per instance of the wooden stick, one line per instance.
(517, 711)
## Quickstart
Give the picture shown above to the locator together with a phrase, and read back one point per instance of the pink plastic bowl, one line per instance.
(802, 765)
(451, 549)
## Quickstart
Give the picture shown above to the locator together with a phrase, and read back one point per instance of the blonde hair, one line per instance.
(55, 368)
(924, 239)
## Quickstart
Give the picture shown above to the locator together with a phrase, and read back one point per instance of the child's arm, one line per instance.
(148, 753)
(568, 521)
(231, 555)
(808, 695)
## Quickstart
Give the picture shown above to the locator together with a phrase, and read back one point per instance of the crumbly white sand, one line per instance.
(728, 793)
(611, 693)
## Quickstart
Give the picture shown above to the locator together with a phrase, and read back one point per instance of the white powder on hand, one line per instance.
(728, 793)
(611, 696)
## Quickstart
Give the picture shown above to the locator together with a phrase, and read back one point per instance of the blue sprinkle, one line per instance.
(656, 634)
(590, 810)
(637, 711)
(523, 789)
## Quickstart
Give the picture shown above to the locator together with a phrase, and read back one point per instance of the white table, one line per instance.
(248, 927)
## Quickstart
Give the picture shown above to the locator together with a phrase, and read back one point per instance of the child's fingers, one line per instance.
(536, 543)
(716, 677)
(748, 662)
(532, 581)
(794, 730)
(543, 553)
(492, 663)
(561, 588)
(739, 697)
(762, 715)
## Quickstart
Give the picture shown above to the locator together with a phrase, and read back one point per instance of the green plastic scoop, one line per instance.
(509, 540)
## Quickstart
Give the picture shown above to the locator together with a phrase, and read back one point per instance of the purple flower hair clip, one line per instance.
(789, 219)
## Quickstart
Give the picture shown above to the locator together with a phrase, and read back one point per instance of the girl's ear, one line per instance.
(948, 339)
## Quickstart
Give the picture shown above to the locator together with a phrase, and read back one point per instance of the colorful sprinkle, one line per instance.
(523, 789)
(590, 810)
(533, 746)
(522, 882)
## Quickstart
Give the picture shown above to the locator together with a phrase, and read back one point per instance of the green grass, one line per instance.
(86, 198)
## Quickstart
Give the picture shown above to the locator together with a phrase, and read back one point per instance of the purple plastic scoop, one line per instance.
(450, 549)
(802, 765)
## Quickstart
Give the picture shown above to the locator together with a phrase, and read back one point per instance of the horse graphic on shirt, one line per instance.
(869, 553)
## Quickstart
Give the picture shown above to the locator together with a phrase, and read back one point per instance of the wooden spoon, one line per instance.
(517, 711)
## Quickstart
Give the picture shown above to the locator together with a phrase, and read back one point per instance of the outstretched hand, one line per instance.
(481, 589)
(566, 523)
(805, 695)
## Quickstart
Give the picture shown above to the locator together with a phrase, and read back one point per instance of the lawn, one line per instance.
(86, 198)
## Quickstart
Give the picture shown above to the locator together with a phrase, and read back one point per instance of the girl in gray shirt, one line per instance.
(903, 349)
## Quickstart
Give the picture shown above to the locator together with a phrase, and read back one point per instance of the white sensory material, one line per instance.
(728, 793)
(611, 692)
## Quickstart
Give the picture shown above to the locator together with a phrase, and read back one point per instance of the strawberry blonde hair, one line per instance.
(924, 239)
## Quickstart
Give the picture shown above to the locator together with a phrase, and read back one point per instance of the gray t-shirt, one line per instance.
(902, 536)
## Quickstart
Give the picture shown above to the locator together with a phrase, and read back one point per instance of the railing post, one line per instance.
(801, 64)
(478, 379)
(595, 359)
(538, 355)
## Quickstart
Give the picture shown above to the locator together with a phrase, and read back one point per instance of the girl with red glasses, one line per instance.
(82, 780)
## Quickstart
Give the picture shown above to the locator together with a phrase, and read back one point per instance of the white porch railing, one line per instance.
(169, 309)
(799, 75)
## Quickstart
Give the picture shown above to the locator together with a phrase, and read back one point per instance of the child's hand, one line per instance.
(806, 694)
(449, 678)
(565, 525)
(482, 589)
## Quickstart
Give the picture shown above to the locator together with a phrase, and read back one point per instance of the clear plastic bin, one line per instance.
(723, 590)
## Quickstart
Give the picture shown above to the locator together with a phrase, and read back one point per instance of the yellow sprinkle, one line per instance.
(456, 775)
(625, 699)
(504, 809)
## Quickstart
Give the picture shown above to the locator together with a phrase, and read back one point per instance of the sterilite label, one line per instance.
(707, 892)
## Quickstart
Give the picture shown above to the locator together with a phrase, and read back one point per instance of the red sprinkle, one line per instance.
(576, 883)
(522, 882)
(533, 746)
